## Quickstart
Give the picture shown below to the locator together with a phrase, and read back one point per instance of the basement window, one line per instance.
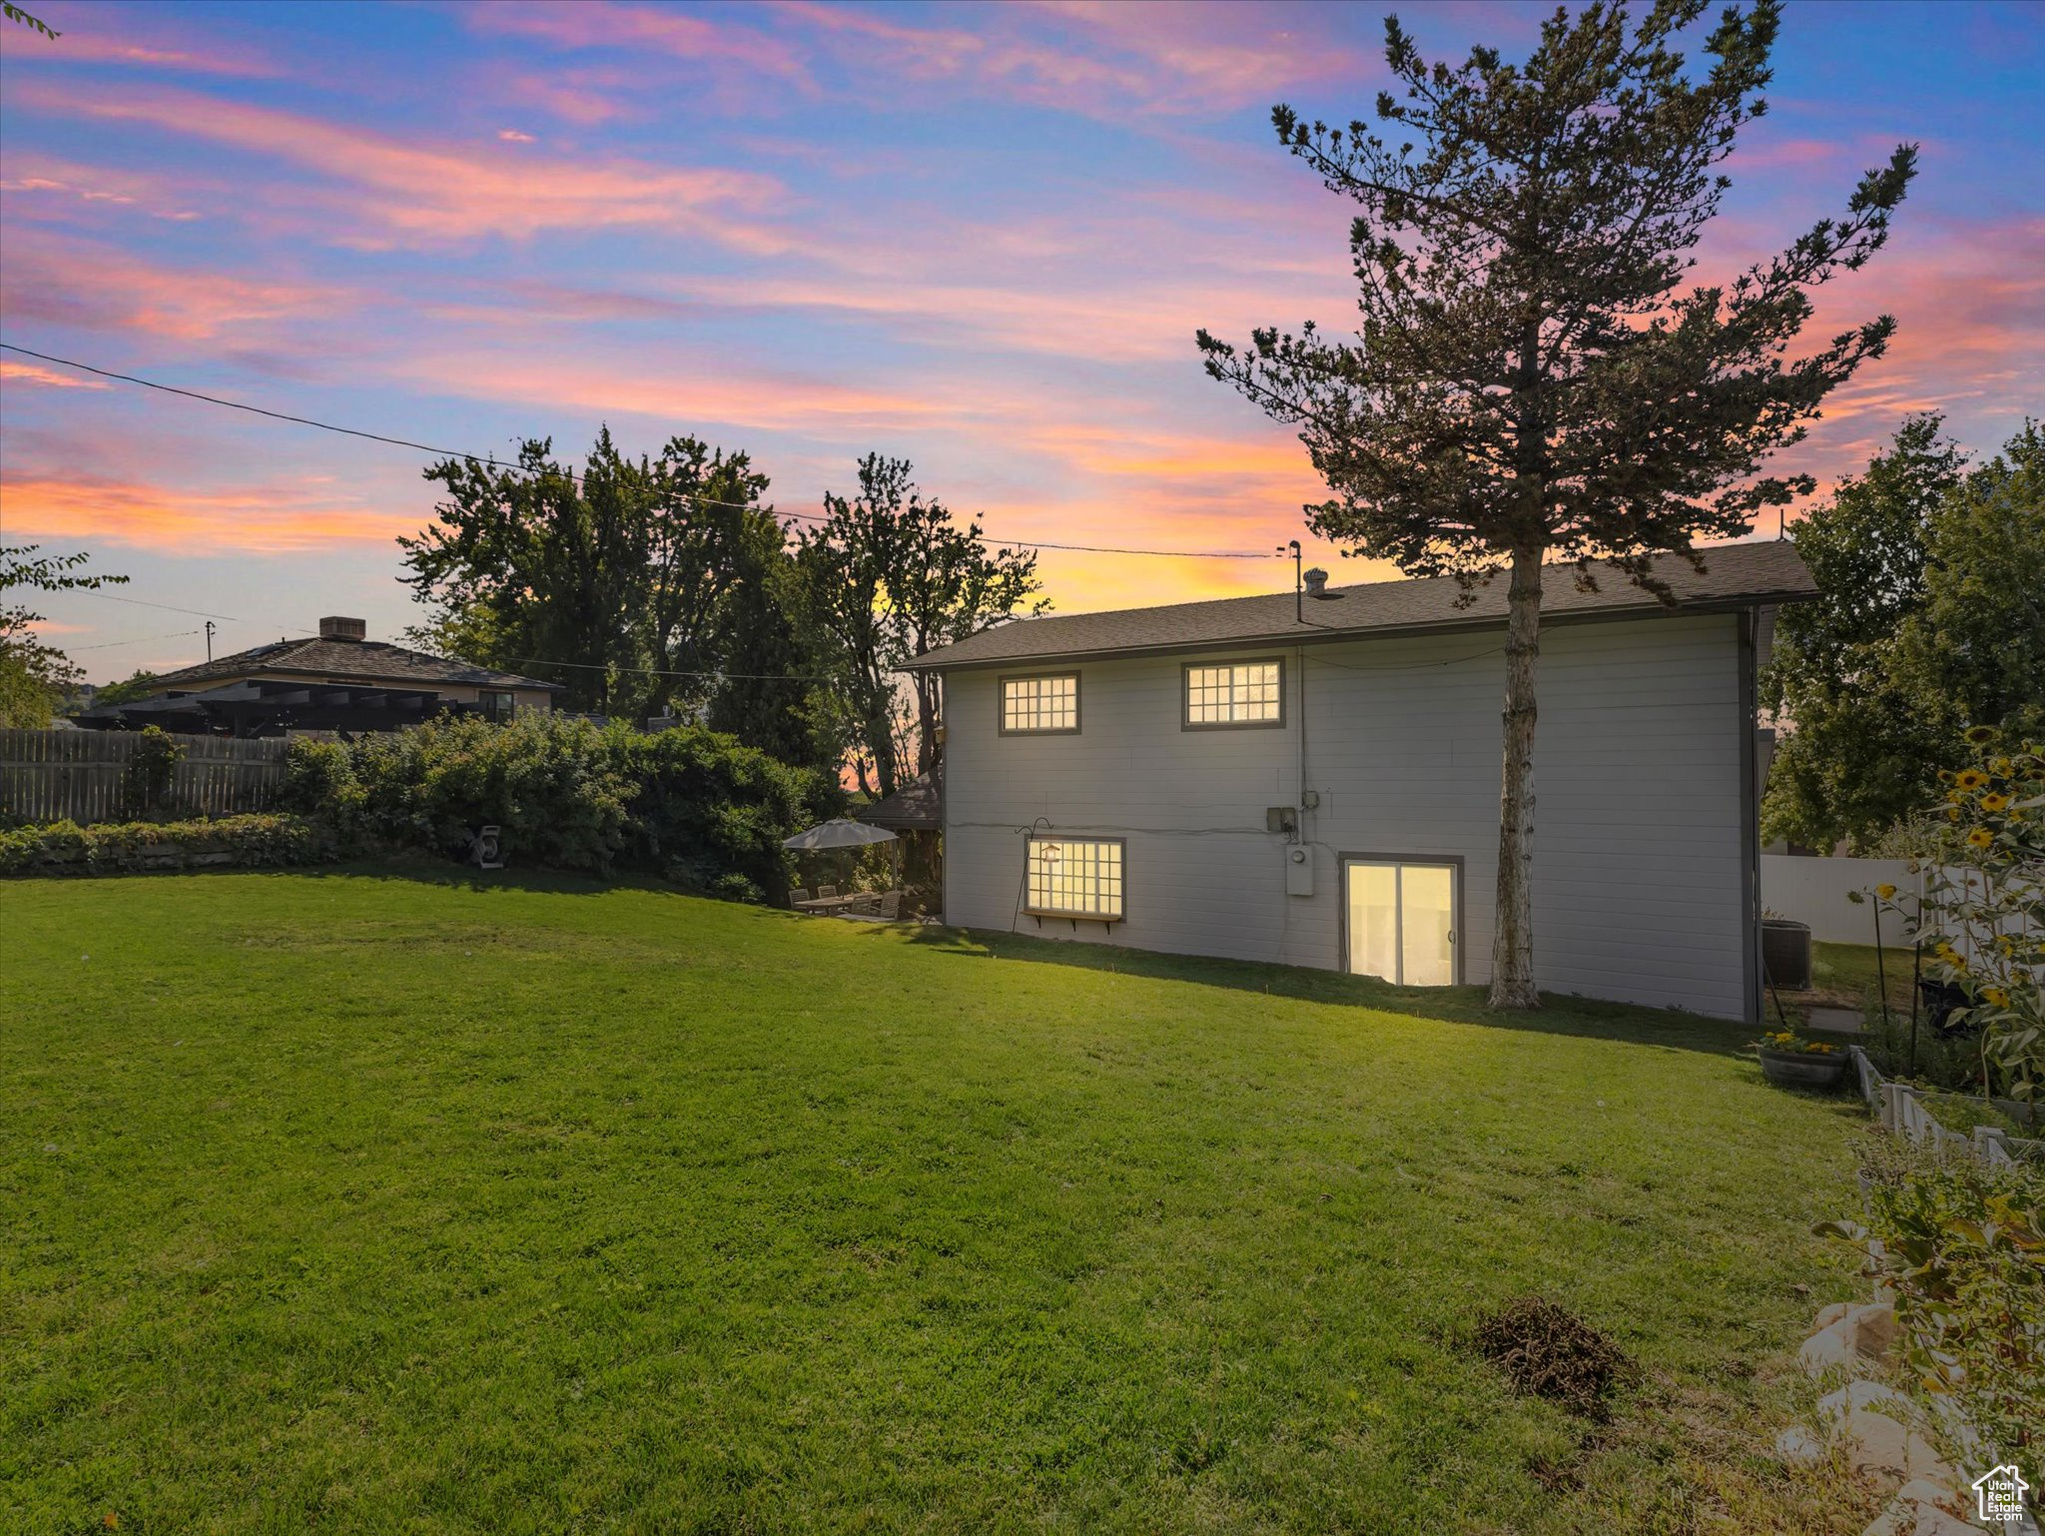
(1033, 706)
(1074, 877)
(1225, 695)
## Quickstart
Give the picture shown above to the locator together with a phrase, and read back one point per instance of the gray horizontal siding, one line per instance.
(1638, 826)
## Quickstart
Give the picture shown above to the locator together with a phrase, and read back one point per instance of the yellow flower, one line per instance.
(1994, 802)
(1997, 996)
(1970, 778)
(1886, 891)
(1980, 837)
(1981, 733)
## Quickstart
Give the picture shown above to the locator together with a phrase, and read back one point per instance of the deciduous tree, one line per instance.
(891, 576)
(32, 673)
(1534, 375)
(1931, 620)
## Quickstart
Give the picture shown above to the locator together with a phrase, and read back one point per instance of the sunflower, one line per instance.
(1980, 837)
(1980, 733)
(1886, 891)
(1994, 802)
(1995, 996)
(1970, 778)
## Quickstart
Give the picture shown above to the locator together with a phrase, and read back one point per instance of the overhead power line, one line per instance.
(108, 645)
(570, 474)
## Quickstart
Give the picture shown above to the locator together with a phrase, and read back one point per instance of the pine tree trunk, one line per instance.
(1512, 949)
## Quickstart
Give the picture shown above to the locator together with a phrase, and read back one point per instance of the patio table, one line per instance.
(833, 903)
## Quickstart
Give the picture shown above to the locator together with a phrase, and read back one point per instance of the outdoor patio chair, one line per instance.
(826, 890)
(797, 896)
(891, 905)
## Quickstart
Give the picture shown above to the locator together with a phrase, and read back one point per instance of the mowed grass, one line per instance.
(373, 1203)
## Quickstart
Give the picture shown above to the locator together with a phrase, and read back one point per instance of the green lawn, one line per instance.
(371, 1203)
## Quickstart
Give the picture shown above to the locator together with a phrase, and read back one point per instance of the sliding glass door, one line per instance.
(1402, 920)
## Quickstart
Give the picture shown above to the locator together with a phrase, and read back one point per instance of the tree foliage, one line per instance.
(1931, 618)
(14, 12)
(888, 577)
(34, 675)
(1534, 375)
(640, 586)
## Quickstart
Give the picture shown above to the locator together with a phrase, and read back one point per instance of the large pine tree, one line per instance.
(1535, 377)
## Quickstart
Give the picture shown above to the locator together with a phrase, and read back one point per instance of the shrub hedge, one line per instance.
(688, 804)
(232, 842)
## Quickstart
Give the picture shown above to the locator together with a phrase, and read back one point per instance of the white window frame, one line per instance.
(1400, 863)
(1001, 699)
(1273, 722)
(1102, 906)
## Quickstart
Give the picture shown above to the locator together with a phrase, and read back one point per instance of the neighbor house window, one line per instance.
(498, 706)
(1075, 877)
(1040, 704)
(1235, 693)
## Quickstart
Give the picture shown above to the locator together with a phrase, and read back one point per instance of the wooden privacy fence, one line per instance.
(83, 776)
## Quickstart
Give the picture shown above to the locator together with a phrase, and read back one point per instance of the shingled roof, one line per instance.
(346, 661)
(1734, 576)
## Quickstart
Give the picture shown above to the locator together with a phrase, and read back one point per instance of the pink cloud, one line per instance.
(70, 282)
(410, 191)
(104, 35)
(48, 378)
(604, 24)
(271, 518)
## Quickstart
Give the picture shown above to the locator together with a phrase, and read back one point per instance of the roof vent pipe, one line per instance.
(1317, 586)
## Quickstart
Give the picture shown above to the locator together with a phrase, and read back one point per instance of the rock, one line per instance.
(1827, 1316)
(1874, 1328)
(1829, 1349)
(1925, 1464)
(1878, 1447)
(1800, 1446)
(1924, 1490)
(1863, 1394)
(1922, 1508)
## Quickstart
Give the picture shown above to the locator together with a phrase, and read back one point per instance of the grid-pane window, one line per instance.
(1075, 877)
(1048, 703)
(1236, 693)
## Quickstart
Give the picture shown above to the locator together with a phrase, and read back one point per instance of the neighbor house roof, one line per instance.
(917, 806)
(1734, 576)
(346, 660)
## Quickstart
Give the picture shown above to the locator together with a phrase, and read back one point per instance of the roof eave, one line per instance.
(936, 662)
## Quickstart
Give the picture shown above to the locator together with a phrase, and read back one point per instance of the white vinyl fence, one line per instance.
(1814, 891)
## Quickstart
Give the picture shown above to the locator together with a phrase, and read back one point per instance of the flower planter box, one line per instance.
(1804, 1069)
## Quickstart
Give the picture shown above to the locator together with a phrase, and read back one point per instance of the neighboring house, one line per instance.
(341, 681)
(1316, 781)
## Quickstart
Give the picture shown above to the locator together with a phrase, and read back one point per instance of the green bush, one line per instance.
(710, 814)
(234, 842)
(1963, 1248)
(689, 804)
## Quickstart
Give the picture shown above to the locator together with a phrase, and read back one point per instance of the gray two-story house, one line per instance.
(1315, 780)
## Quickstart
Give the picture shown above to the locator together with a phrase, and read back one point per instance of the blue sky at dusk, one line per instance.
(976, 237)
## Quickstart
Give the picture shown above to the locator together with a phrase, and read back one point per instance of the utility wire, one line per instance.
(108, 645)
(570, 474)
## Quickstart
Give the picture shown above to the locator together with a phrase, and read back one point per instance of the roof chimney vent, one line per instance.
(1317, 586)
(334, 628)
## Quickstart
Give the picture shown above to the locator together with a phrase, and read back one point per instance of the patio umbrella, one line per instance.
(841, 833)
(838, 833)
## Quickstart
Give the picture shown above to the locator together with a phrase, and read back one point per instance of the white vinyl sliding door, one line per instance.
(1402, 920)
